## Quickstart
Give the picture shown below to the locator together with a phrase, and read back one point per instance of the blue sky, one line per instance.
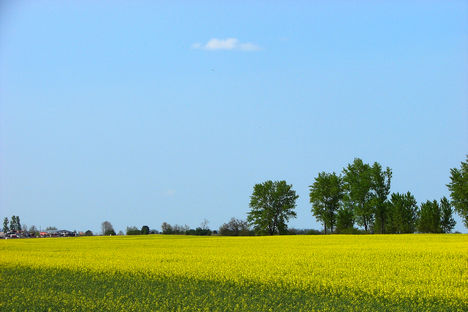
(142, 112)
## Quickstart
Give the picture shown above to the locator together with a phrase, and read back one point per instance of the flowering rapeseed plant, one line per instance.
(279, 273)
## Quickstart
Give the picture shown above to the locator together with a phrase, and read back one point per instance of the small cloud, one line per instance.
(226, 44)
(249, 47)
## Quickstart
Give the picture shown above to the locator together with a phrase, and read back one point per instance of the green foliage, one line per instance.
(15, 224)
(429, 217)
(458, 188)
(352, 230)
(293, 231)
(381, 189)
(166, 228)
(272, 205)
(51, 228)
(325, 196)
(447, 222)
(402, 214)
(199, 231)
(107, 228)
(89, 233)
(357, 178)
(133, 230)
(5, 225)
(176, 229)
(145, 230)
(235, 227)
(344, 220)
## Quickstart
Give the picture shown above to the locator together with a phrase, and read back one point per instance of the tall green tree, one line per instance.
(344, 220)
(325, 196)
(458, 188)
(402, 214)
(5, 225)
(381, 180)
(271, 206)
(14, 223)
(357, 178)
(429, 217)
(447, 222)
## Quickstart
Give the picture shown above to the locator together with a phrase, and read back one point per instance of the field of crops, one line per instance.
(281, 273)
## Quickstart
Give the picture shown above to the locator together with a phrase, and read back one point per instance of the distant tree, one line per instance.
(381, 180)
(107, 228)
(357, 178)
(18, 224)
(458, 188)
(429, 217)
(5, 225)
(402, 214)
(133, 230)
(293, 231)
(33, 231)
(325, 196)
(447, 222)
(235, 227)
(272, 205)
(145, 230)
(89, 233)
(13, 224)
(344, 220)
(201, 231)
(174, 229)
(51, 228)
(181, 229)
(204, 224)
(166, 228)
(120, 233)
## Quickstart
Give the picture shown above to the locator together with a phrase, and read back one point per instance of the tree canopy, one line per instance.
(107, 228)
(234, 227)
(380, 189)
(325, 196)
(358, 185)
(402, 214)
(429, 217)
(447, 222)
(458, 188)
(272, 205)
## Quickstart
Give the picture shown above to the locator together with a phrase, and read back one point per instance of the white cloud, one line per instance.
(226, 44)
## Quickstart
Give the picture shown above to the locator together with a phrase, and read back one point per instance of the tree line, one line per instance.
(357, 200)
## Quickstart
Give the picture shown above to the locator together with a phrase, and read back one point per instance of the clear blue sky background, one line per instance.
(124, 111)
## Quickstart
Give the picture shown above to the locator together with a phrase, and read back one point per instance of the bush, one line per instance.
(133, 230)
(351, 231)
(109, 232)
(145, 230)
(293, 231)
(235, 227)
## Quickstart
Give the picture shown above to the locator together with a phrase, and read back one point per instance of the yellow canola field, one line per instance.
(159, 272)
